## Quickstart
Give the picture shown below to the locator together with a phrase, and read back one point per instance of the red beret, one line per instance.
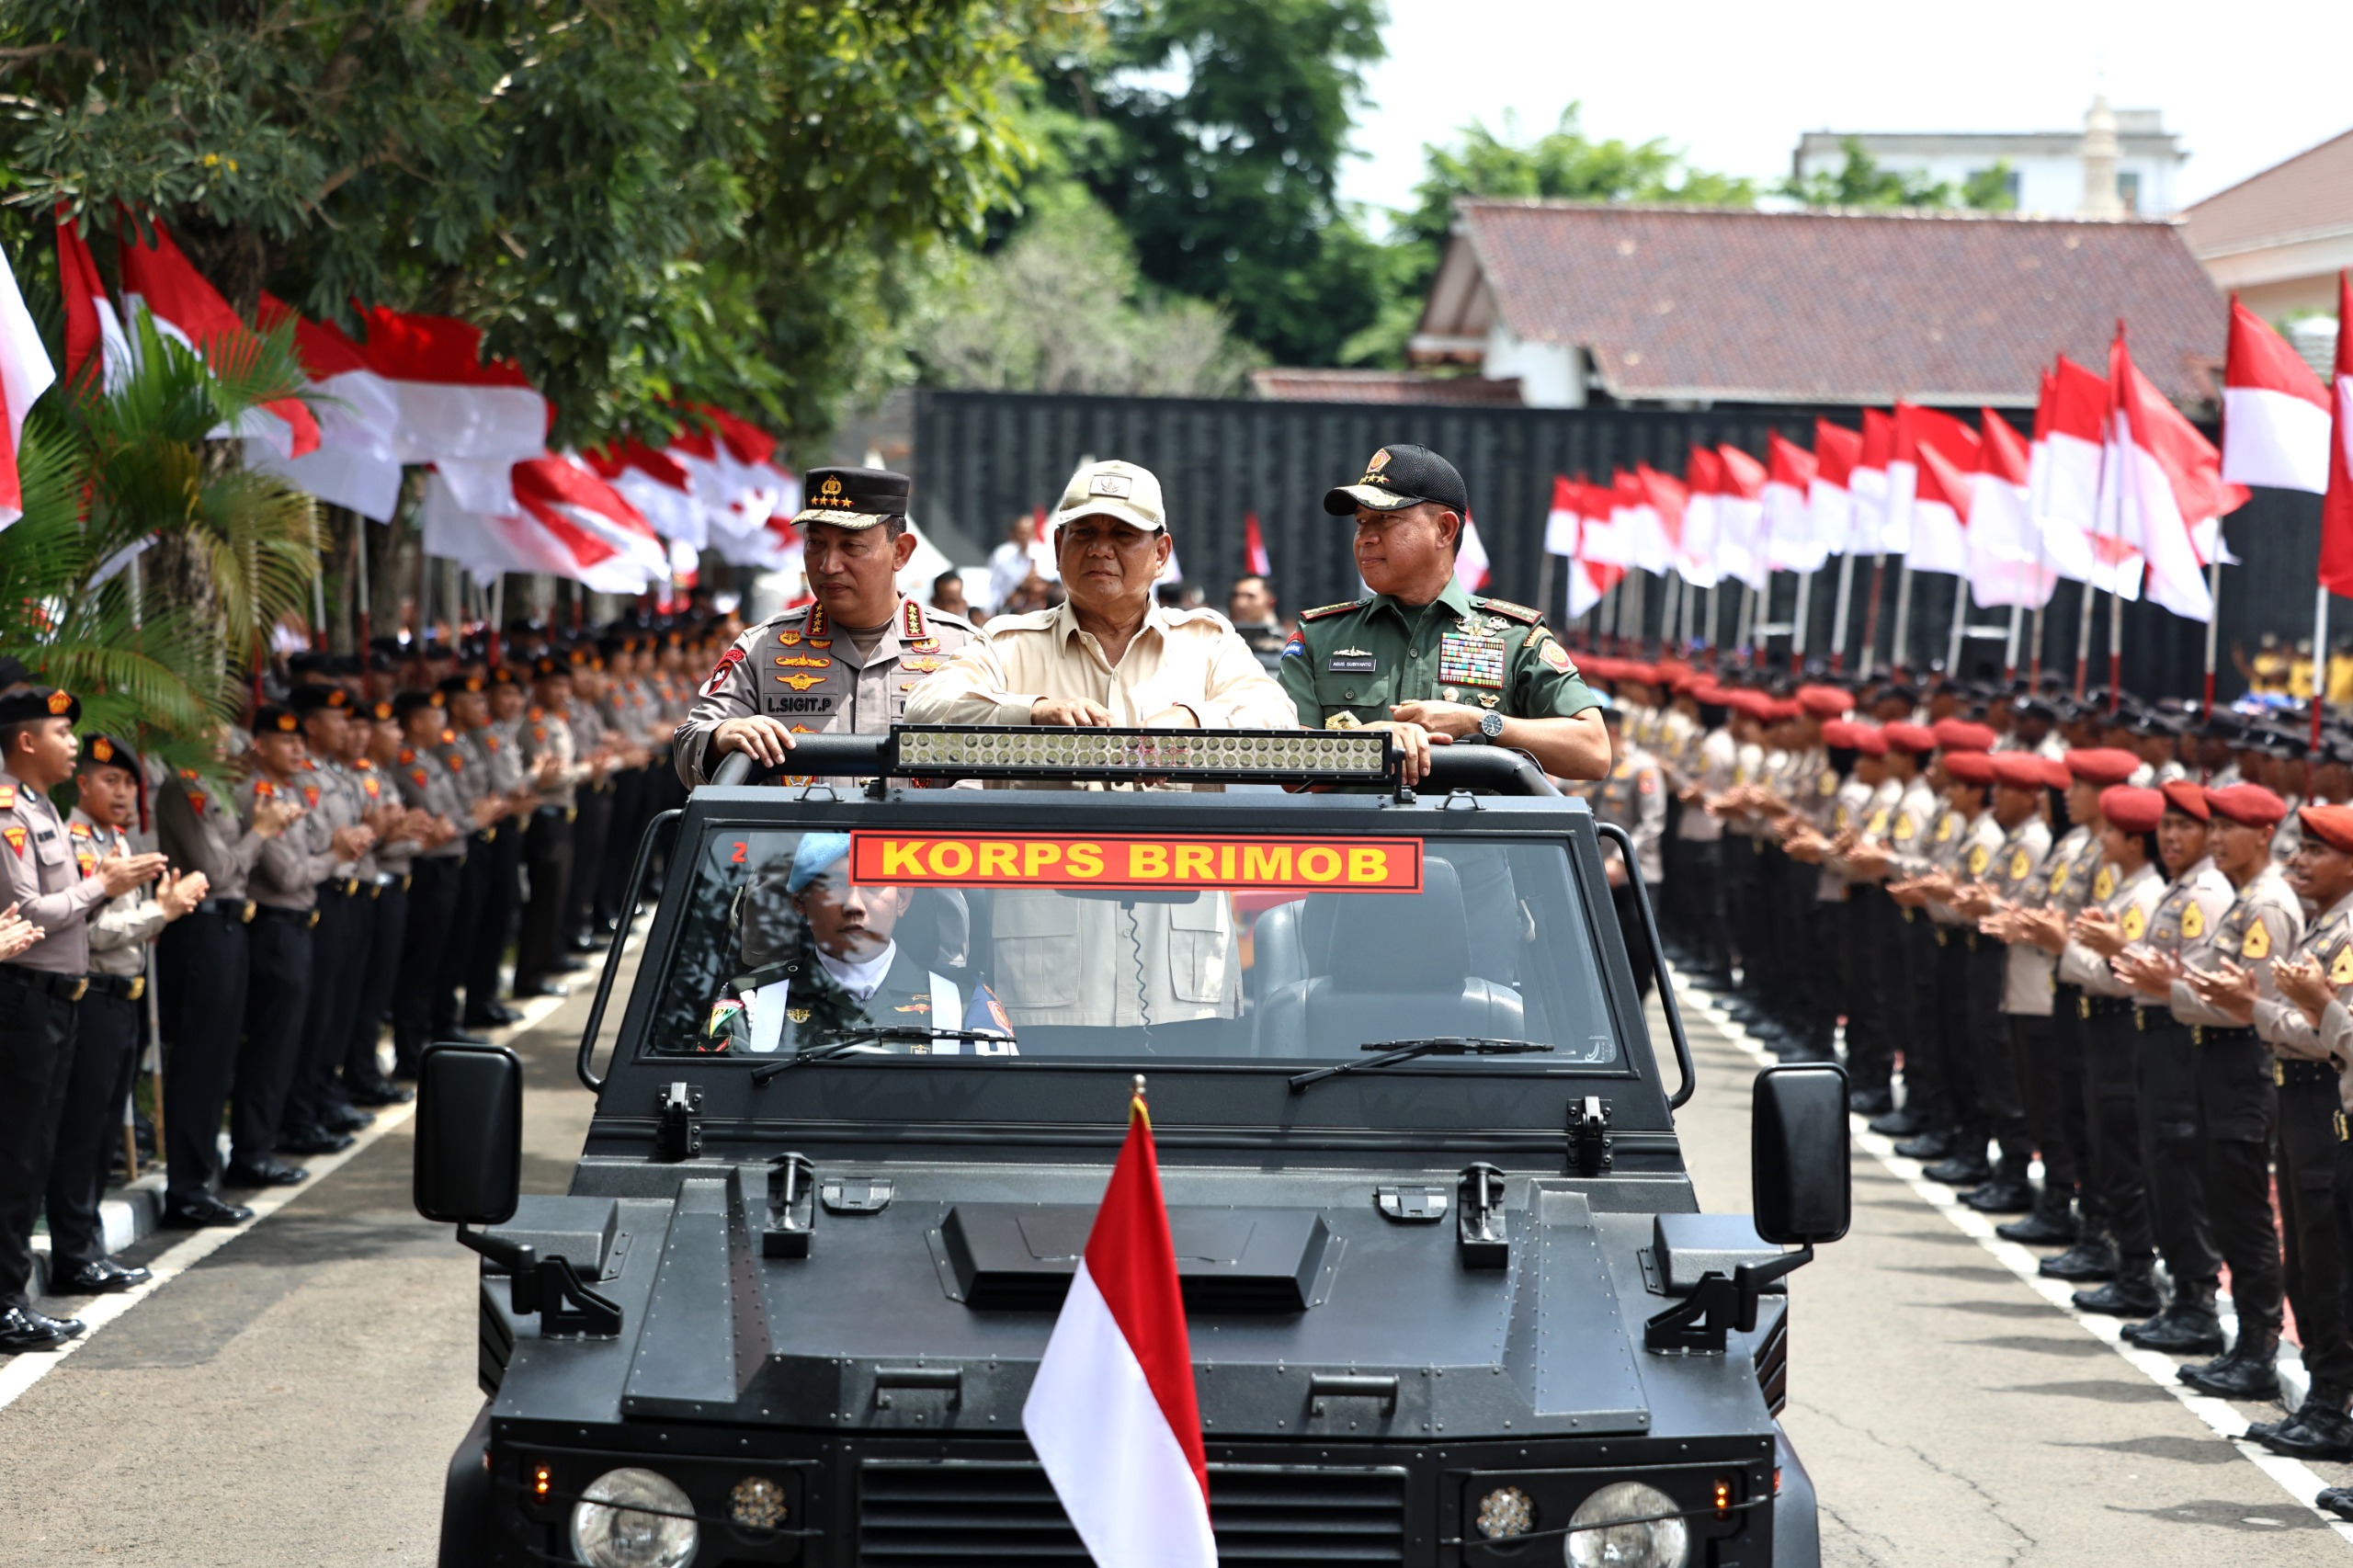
(2102, 764)
(1969, 766)
(1645, 675)
(2055, 772)
(1960, 734)
(1707, 692)
(2134, 811)
(2186, 798)
(2013, 769)
(1868, 739)
(2249, 804)
(1915, 738)
(1828, 702)
(1781, 708)
(1840, 734)
(2333, 825)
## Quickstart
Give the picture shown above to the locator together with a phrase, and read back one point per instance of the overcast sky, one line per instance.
(2246, 85)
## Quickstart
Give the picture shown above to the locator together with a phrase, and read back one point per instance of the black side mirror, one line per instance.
(469, 1134)
(1800, 1176)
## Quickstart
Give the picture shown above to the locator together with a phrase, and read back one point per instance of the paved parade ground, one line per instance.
(292, 1397)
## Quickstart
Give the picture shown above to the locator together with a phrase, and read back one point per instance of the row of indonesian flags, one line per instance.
(2114, 488)
(418, 389)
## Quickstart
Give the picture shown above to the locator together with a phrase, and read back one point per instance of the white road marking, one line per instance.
(23, 1371)
(2298, 1480)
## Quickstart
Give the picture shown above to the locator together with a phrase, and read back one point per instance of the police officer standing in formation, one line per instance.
(43, 985)
(843, 664)
(2121, 940)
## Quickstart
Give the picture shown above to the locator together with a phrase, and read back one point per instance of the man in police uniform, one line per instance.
(843, 665)
(1423, 658)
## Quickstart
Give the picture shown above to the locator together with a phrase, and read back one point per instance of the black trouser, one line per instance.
(1740, 909)
(387, 918)
(1638, 945)
(547, 855)
(2237, 1109)
(496, 927)
(1957, 1013)
(631, 792)
(2313, 1272)
(278, 1001)
(588, 834)
(37, 1029)
(202, 964)
(1701, 895)
(1912, 980)
(2036, 1068)
(2065, 1088)
(89, 1129)
(338, 963)
(2167, 1107)
(432, 902)
(2112, 1098)
(1871, 928)
(1993, 1054)
(475, 873)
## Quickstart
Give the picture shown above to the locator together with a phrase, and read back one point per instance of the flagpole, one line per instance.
(1797, 626)
(1691, 598)
(360, 563)
(1607, 617)
(1714, 623)
(1839, 616)
(1871, 619)
(2319, 658)
(1669, 603)
(1544, 583)
(1745, 632)
(2214, 621)
(2115, 649)
(1960, 626)
(1635, 575)
(2010, 657)
(1901, 647)
(2088, 603)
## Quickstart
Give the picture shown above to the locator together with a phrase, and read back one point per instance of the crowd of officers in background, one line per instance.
(2118, 936)
(376, 836)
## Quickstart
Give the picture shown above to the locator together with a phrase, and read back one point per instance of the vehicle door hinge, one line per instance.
(792, 1207)
(677, 1135)
(1480, 1239)
(1589, 1135)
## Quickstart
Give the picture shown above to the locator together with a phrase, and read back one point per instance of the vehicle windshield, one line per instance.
(881, 943)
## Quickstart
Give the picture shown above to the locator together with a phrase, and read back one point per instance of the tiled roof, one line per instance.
(1842, 307)
(2312, 191)
(1285, 385)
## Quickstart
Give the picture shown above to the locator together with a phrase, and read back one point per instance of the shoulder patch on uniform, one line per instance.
(1321, 611)
(1508, 610)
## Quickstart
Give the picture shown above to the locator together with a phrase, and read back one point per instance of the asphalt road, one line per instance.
(293, 1397)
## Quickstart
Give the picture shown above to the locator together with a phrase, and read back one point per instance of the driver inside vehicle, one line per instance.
(843, 969)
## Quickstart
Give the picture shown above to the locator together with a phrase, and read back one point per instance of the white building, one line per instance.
(2046, 167)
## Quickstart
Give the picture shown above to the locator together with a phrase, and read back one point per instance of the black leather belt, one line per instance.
(2089, 1005)
(66, 988)
(2344, 1131)
(2220, 1034)
(306, 918)
(2302, 1074)
(239, 910)
(123, 987)
(339, 887)
(2150, 1019)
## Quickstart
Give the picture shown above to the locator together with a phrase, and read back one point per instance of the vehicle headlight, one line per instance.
(1504, 1513)
(633, 1519)
(1603, 1535)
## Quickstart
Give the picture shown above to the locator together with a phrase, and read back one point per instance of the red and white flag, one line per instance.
(1599, 504)
(1471, 567)
(92, 330)
(1254, 548)
(1791, 544)
(728, 458)
(656, 485)
(2005, 564)
(1112, 1414)
(1665, 505)
(1698, 553)
(455, 407)
(25, 374)
(1588, 580)
(1740, 527)
(545, 537)
(1930, 502)
(2337, 503)
(2164, 494)
(2275, 412)
(1868, 482)
(1830, 499)
(185, 306)
(2064, 482)
(358, 416)
(1564, 521)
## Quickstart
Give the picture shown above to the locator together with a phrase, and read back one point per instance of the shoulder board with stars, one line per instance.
(1320, 612)
(1509, 611)
(7, 797)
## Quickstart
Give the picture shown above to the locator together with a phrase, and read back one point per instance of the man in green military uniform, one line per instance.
(1423, 658)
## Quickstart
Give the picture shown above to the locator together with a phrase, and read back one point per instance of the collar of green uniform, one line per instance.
(1454, 596)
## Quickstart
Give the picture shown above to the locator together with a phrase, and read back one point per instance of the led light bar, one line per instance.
(1208, 755)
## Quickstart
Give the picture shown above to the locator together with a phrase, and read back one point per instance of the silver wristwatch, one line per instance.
(1490, 727)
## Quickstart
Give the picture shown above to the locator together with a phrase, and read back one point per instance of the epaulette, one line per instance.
(1508, 610)
(408, 755)
(1333, 609)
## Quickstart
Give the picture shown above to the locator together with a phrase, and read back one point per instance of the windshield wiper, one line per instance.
(841, 1043)
(1393, 1051)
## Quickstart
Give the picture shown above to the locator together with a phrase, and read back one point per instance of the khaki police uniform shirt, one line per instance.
(1850, 804)
(293, 864)
(1351, 662)
(2191, 908)
(1911, 829)
(804, 671)
(2016, 874)
(2265, 921)
(391, 858)
(1967, 856)
(1634, 797)
(2328, 941)
(1711, 764)
(426, 785)
(1190, 659)
(121, 928)
(546, 732)
(343, 803)
(2289, 836)
(44, 881)
(198, 833)
(2130, 901)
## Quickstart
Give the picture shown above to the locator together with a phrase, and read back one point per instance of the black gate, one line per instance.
(983, 458)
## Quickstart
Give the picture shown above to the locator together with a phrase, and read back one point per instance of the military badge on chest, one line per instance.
(1351, 662)
(1468, 660)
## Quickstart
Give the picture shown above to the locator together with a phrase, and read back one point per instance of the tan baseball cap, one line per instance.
(1114, 489)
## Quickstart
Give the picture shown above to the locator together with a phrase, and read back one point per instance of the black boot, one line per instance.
(1873, 1103)
(2337, 1500)
(2093, 1257)
(2189, 1327)
(2005, 1194)
(2052, 1224)
(2248, 1371)
(1903, 1123)
(2131, 1294)
(1965, 1168)
(1936, 1143)
(2320, 1430)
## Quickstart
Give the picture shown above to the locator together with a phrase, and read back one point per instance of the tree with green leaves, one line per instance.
(1859, 181)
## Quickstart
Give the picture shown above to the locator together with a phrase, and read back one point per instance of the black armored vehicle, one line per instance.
(1451, 1299)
